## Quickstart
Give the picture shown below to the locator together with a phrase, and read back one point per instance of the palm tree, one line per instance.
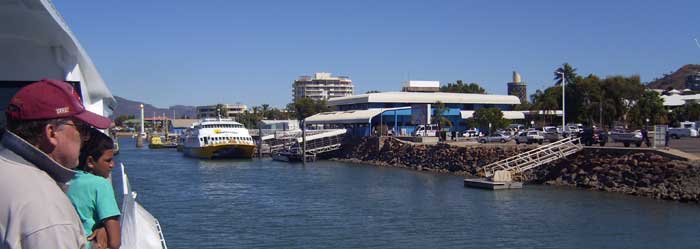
(220, 110)
(545, 102)
(265, 109)
(568, 70)
(439, 117)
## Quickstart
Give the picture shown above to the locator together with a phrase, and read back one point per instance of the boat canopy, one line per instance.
(36, 43)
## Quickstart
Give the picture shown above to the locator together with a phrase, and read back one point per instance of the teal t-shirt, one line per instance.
(93, 198)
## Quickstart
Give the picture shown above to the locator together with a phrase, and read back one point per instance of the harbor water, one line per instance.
(325, 204)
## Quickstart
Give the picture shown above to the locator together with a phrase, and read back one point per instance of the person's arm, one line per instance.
(99, 235)
(113, 232)
(108, 213)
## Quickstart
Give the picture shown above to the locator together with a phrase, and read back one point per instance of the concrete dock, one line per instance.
(491, 185)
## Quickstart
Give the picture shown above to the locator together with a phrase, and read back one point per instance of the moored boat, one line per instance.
(157, 143)
(218, 138)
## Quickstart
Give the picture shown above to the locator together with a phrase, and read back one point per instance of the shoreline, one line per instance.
(648, 174)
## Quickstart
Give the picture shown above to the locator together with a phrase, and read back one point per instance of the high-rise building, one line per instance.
(518, 88)
(321, 86)
(227, 110)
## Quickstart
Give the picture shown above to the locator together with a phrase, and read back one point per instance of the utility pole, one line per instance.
(260, 141)
(303, 141)
(563, 100)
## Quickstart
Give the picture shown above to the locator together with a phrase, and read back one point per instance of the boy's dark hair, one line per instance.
(95, 146)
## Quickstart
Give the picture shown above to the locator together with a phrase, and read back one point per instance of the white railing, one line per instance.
(536, 157)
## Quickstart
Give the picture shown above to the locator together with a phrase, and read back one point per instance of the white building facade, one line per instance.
(228, 110)
(321, 86)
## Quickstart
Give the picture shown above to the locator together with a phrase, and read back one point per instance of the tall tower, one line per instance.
(518, 88)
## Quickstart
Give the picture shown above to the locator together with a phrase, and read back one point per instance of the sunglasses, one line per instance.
(82, 128)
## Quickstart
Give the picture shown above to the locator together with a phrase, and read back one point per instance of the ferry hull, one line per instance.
(221, 151)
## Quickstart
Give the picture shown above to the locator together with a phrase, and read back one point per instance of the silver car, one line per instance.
(498, 137)
(529, 137)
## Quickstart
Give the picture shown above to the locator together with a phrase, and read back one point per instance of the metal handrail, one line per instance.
(536, 157)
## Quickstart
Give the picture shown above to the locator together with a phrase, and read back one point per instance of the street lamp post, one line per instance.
(563, 100)
(647, 126)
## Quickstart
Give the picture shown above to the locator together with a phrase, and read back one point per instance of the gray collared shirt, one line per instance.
(34, 211)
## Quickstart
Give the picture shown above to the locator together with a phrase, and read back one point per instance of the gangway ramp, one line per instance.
(319, 142)
(504, 170)
(329, 140)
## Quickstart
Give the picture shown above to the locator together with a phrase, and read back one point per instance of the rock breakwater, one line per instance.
(633, 172)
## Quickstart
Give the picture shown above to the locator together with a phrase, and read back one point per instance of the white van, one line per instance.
(429, 130)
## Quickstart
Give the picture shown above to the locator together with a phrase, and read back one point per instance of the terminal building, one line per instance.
(401, 112)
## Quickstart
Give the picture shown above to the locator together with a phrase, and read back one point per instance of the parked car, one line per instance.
(627, 137)
(531, 136)
(551, 133)
(471, 133)
(677, 133)
(497, 137)
(426, 130)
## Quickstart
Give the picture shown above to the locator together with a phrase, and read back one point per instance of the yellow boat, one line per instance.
(157, 143)
(218, 138)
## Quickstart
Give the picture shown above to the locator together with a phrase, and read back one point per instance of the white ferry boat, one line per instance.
(218, 138)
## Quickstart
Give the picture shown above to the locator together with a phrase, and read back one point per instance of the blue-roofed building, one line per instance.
(401, 112)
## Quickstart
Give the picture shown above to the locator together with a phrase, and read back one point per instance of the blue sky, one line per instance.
(207, 52)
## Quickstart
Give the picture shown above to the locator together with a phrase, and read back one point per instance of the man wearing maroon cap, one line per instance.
(46, 125)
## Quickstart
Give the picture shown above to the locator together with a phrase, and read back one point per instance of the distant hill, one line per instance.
(130, 107)
(676, 80)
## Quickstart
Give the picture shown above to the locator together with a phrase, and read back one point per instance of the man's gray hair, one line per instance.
(31, 130)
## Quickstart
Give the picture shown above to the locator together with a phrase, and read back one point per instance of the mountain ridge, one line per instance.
(675, 80)
(132, 107)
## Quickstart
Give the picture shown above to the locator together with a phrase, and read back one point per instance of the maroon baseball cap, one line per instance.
(50, 99)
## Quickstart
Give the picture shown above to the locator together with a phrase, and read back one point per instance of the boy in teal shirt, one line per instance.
(92, 194)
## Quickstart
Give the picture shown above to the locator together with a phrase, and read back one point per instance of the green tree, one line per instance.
(119, 121)
(485, 116)
(265, 110)
(220, 110)
(649, 106)
(546, 103)
(569, 72)
(290, 111)
(439, 115)
(461, 87)
(250, 120)
(690, 112)
(307, 107)
(373, 91)
(624, 93)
